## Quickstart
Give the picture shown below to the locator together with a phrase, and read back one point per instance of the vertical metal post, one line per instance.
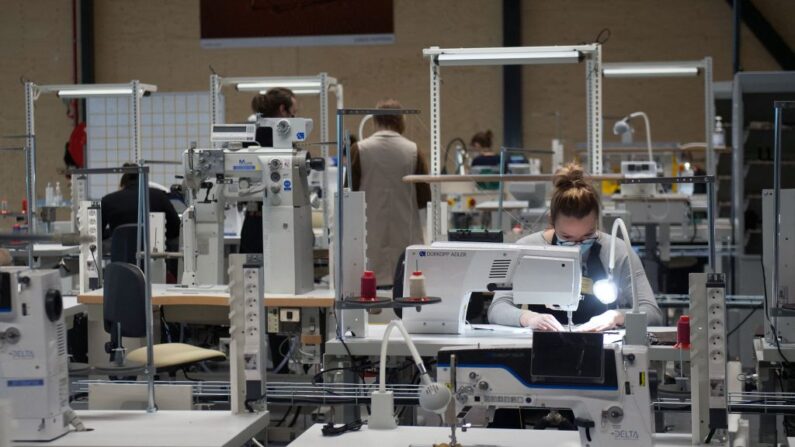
(324, 152)
(215, 91)
(711, 209)
(593, 91)
(29, 197)
(338, 226)
(502, 189)
(31, 92)
(143, 215)
(777, 199)
(135, 115)
(736, 31)
(436, 159)
(709, 116)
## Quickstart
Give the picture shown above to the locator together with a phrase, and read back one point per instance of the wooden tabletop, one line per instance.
(171, 295)
(447, 178)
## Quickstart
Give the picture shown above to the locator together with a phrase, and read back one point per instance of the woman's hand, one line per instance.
(539, 322)
(610, 319)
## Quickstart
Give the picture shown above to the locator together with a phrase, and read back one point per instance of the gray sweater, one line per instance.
(503, 311)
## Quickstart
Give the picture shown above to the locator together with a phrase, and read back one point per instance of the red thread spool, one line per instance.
(368, 286)
(683, 333)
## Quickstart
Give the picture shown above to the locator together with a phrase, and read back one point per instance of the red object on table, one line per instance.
(24, 205)
(368, 286)
(683, 333)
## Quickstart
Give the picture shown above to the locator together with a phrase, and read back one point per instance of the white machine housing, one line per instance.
(277, 177)
(544, 275)
(34, 374)
(620, 409)
(639, 169)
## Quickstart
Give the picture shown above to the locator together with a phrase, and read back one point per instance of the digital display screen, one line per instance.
(5, 293)
(567, 357)
(229, 129)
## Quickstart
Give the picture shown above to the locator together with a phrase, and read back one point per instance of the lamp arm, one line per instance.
(619, 223)
(648, 131)
(413, 349)
(361, 125)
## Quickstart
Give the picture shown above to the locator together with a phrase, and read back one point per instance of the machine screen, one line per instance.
(5, 293)
(567, 357)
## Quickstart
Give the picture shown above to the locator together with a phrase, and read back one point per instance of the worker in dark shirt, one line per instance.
(121, 207)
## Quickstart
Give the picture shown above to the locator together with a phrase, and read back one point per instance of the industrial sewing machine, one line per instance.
(33, 359)
(605, 386)
(545, 275)
(255, 163)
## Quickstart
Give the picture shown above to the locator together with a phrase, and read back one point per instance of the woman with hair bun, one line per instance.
(574, 215)
(481, 143)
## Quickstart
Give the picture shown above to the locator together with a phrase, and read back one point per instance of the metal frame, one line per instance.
(779, 107)
(591, 53)
(325, 84)
(142, 254)
(748, 82)
(28, 194)
(33, 91)
(703, 67)
(342, 149)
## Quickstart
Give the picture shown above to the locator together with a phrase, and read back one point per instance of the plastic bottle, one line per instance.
(683, 333)
(4, 207)
(718, 135)
(49, 195)
(368, 292)
(686, 188)
(58, 195)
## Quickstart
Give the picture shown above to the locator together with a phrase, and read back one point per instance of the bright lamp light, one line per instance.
(649, 71)
(87, 91)
(265, 85)
(605, 290)
(510, 58)
(299, 91)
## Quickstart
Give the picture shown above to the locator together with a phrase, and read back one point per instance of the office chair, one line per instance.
(124, 315)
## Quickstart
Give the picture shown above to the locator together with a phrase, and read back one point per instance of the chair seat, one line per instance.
(168, 355)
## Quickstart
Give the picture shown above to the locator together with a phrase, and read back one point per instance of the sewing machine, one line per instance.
(545, 275)
(605, 386)
(33, 358)
(275, 175)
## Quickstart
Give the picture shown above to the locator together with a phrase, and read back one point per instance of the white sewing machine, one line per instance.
(277, 177)
(33, 359)
(605, 386)
(545, 275)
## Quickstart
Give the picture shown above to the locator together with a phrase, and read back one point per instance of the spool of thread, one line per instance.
(417, 285)
(683, 333)
(368, 286)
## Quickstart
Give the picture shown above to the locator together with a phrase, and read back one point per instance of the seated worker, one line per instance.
(574, 215)
(121, 207)
(481, 143)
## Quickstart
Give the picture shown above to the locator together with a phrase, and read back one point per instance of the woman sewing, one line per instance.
(574, 214)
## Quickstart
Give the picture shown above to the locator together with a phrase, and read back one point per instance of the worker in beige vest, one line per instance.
(378, 165)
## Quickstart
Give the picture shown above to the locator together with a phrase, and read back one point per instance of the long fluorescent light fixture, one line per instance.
(649, 71)
(265, 85)
(84, 91)
(510, 58)
(299, 91)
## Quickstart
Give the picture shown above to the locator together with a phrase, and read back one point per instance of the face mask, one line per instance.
(585, 245)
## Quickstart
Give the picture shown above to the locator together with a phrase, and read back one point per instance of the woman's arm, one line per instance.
(502, 311)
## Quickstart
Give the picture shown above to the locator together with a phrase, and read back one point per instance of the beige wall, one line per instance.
(157, 42)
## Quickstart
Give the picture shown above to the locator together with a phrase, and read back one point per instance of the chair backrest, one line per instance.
(123, 243)
(123, 300)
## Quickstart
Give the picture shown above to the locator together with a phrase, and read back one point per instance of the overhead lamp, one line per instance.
(265, 85)
(99, 90)
(510, 58)
(648, 71)
(605, 290)
(298, 91)
(622, 127)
